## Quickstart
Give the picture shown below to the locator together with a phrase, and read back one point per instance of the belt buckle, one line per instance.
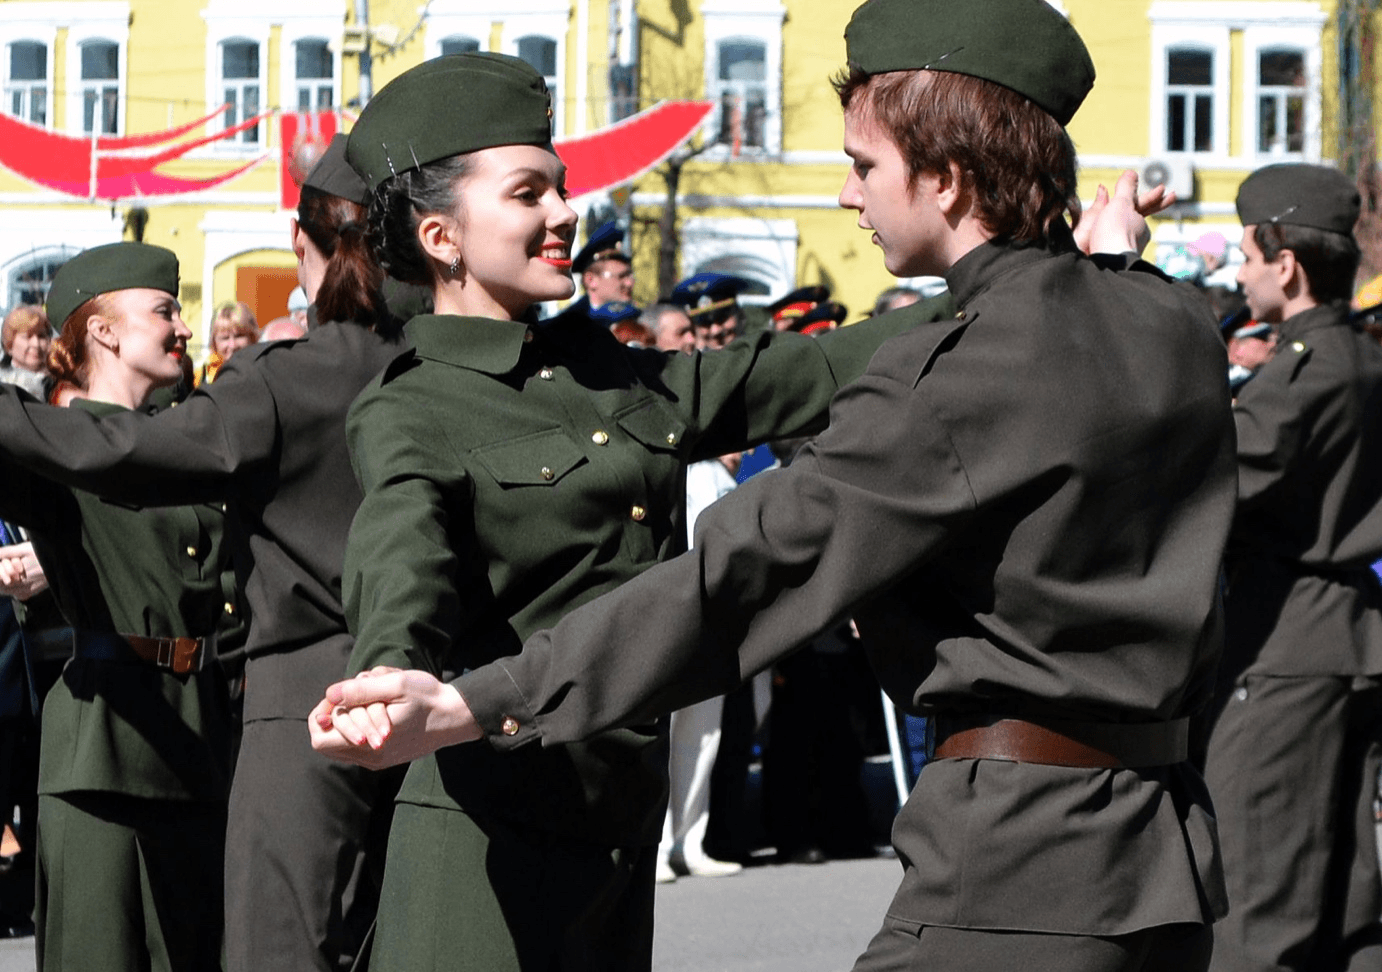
(166, 652)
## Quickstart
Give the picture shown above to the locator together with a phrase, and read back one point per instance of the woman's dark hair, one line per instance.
(1016, 159)
(351, 288)
(1330, 260)
(400, 203)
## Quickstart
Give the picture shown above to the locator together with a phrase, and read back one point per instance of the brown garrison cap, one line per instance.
(115, 266)
(1301, 195)
(448, 106)
(1025, 45)
(334, 176)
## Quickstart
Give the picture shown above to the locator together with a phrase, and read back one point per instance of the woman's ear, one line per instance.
(440, 238)
(101, 329)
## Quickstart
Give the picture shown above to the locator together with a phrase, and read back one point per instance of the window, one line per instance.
(29, 282)
(305, 59)
(1189, 100)
(541, 54)
(1280, 101)
(100, 87)
(315, 73)
(26, 82)
(743, 74)
(623, 59)
(1193, 42)
(459, 45)
(742, 93)
(240, 83)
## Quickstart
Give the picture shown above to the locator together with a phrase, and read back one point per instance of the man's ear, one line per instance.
(440, 238)
(952, 194)
(1286, 267)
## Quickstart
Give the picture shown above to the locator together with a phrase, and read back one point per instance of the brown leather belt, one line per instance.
(178, 655)
(1090, 745)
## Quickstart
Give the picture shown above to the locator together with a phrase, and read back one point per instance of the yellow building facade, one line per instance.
(1207, 90)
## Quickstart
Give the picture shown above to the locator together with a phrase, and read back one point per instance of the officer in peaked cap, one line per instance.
(1292, 761)
(825, 316)
(787, 309)
(605, 269)
(1024, 507)
(712, 302)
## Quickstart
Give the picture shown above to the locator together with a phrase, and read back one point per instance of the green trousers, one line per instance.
(129, 885)
(464, 894)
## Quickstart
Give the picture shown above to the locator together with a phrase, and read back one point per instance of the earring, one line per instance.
(455, 265)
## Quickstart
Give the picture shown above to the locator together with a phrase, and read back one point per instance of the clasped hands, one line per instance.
(21, 575)
(387, 716)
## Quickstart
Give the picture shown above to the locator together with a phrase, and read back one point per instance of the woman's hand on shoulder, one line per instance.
(387, 716)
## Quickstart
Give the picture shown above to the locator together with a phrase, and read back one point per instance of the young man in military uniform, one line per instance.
(1293, 758)
(1024, 506)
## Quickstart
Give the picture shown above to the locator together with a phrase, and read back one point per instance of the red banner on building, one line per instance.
(303, 137)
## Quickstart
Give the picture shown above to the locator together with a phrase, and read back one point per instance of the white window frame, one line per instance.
(60, 232)
(293, 34)
(755, 20)
(47, 44)
(253, 20)
(551, 20)
(1260, 38)
(1208, 25)
(79, 35)
(770, 243)
(453, 18)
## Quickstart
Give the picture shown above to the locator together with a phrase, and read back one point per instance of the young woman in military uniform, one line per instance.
(1024, 506)
(134, 768)
(513, 471)
(268, 438)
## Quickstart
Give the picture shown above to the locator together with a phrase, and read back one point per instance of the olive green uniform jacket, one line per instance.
(1025, 509)
(512, 473)
(129, 728)
(1303, 599)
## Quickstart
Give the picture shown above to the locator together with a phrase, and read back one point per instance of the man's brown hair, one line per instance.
(1017, 160)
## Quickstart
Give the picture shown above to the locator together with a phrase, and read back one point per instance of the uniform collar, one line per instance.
(976, 270)
(1322, 315)
(97, 408)
(477, 343)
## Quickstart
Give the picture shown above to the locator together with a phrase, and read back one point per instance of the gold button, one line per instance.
(509, 726)
(545, 374)
(230, 608)
(671, 438)
(960, 316)
(191, 551)
(223, 507)
(638, 513)
(1297, 347)
(547, 473)
(527, 337)
(601, 437)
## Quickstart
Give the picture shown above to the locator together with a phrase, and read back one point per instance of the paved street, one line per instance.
(773, 919)
(768, 919)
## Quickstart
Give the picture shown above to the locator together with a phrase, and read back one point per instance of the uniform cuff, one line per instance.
(498, 706)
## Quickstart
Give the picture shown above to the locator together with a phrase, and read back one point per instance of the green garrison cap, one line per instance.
(333, 175)
(115, 266)
(1025, 45)
(447, 106)
(1299, 194)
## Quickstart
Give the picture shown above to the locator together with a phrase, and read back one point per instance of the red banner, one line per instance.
(303, 137)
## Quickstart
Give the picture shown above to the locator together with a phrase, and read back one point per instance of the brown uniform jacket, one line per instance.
(1025, 506)
(1302, 599)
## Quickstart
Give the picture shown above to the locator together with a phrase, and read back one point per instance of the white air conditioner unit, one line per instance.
(1173, 172)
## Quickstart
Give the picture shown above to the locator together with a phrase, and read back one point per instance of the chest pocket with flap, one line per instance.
(539, 459)
(654, 425)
